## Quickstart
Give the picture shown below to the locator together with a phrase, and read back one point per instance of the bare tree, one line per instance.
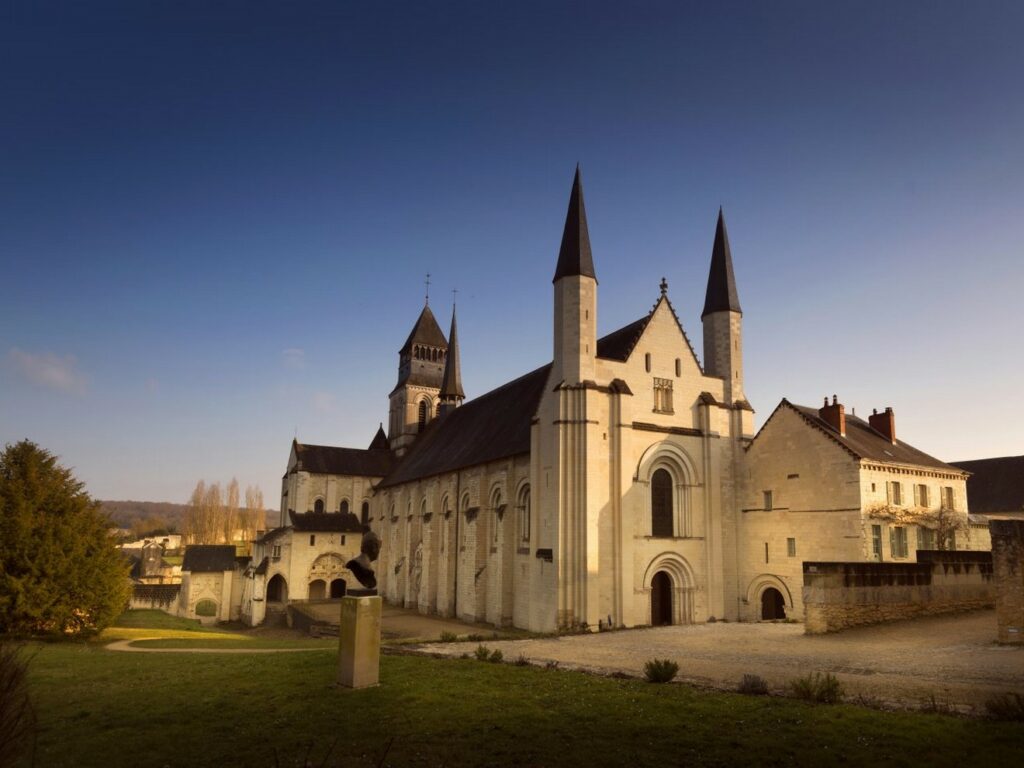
(231, 521)
(255, 517)
(194, 516)
(213, 513)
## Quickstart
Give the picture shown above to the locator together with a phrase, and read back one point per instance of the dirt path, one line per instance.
(126, 645)
(951, 660)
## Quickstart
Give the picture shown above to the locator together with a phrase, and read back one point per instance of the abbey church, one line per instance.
(620, 485)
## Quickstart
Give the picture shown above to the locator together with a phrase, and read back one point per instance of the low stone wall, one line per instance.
(160, 597)
(1008, 567)
(842, 595)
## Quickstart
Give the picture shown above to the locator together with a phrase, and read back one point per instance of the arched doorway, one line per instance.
(277, 589)
(317, 589)
(773, 605)
(338, 588)
(661, 599)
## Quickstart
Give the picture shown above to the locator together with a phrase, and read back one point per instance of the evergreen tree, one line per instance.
(60, 573)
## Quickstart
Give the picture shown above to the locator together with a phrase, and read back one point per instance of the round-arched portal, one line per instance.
(773, 605)
(277, 589)
(661, 599)
(317, 589)
(337, 588)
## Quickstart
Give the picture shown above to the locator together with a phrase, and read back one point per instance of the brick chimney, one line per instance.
(834, 415)
(884, 424)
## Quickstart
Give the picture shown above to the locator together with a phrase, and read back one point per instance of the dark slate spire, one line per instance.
(721, 295)
(380, 440)
(451, 384)
(426, 331)
(574, 257)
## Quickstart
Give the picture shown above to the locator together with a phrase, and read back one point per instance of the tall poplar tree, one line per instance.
(60, 572)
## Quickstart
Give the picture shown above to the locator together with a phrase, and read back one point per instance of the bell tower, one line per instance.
(723, 320)
(415, 398)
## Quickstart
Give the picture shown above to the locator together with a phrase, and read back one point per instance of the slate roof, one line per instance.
(325, 521)
(209, 558)
(995, 485)
(326, 459)
(380, 440)
(618, 345)
(865, 443)
(721, 294)
(493, 426)
(574, 256)
(451, 384)
(425, 331)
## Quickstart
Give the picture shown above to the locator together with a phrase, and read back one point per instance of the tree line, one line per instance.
(213, 516)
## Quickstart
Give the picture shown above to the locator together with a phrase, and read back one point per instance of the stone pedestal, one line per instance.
(1008, 574)
(359, 643)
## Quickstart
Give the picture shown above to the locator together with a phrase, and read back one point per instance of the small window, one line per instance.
(895, 490)
(343, 540)
(647, 361)
(524, 515)
(920, 495)
(766, 551)
(898, 541)
(318, 506)
(663, 396)
(791, 547)
(312, 539)
(679, 368)
(366, 513)
(876, 542)
(423, 415)
(872, 487)
(344, 507)
(947, 498)
(768, 500)
(276, 552)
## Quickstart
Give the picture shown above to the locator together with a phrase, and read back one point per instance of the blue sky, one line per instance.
(215, 218)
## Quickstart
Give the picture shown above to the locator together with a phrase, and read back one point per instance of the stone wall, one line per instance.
(842, 595)
(1008, 569)
(160, 597)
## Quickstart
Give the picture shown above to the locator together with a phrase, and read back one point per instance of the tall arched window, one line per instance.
(661, 503)
(497, 507)
(524, 514)
(366, 513)
(423, 414)
(344, 507)
(318, 506)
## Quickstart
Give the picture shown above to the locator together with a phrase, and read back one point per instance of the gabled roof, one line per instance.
(341, 522)
(380, 440)
(619, 345)
(493, 426)
(574, 256)
(328, 460)
(863, 442)
(721, 294)
(426, 331)
(995, 485)
(209, 558)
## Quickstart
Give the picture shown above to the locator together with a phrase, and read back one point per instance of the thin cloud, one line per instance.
(48, 370)
(323, 402)
(294, 358)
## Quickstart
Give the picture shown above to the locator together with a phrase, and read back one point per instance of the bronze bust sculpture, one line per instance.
(362, 566)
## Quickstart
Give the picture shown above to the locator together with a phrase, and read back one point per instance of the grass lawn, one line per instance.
(102, 708)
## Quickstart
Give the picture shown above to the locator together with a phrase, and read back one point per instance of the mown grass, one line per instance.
(156, 629)
(102, 708)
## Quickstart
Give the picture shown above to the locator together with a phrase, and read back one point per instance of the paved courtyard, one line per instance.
(953, 658)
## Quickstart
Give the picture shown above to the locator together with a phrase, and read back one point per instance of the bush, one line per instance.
(522, 661)
(660, 670)
(823, 688)
(483, 653)
(16, 717)
(753, 685)
(449, 637)
(1006, 706)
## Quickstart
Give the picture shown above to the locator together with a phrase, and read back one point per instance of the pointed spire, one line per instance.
(721, 295)
(451, 384)
(574, 257)
(380, 440)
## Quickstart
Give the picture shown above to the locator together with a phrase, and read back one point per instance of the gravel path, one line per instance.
(126, 645)
(952, 658)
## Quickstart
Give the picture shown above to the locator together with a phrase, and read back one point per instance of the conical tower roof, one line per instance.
(426, 331)
(451, 384)
(721, 295)
(574, 257)
(380, 440)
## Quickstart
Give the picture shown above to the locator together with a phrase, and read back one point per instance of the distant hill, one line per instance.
(125, 514)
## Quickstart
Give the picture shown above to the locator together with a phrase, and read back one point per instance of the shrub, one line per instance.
(753, 685)
(16, 717)
(1006, 706)
(496, 656)
(932, 704)
(823, 688)
(522, 661)
(482, 653)
(551, 665)
(660, 670)
(449, 637)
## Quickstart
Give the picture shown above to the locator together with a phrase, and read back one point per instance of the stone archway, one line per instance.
(277, 589)
(338, 588)
(773, 605)
(327, 568)
(670, 583)
(317, 589)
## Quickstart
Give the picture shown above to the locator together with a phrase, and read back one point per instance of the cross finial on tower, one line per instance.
(454, 296)
(426, 298)
(664, 286)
